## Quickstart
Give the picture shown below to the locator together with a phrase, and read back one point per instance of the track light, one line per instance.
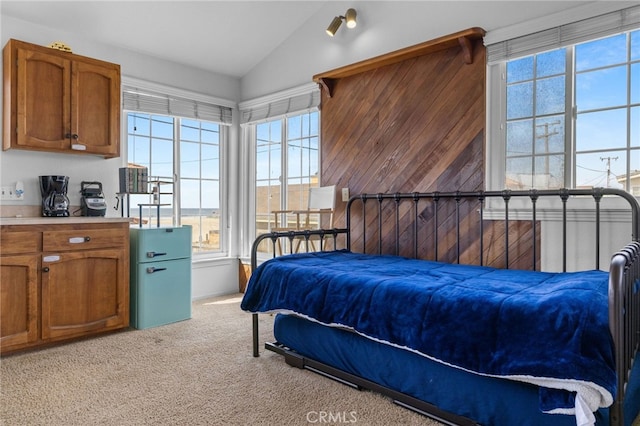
(349, 17)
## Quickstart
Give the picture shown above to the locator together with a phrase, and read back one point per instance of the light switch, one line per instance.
(345, 194)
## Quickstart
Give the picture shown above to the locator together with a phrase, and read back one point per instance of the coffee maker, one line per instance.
(55, 202)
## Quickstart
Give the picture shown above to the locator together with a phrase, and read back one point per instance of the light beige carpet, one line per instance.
(195, 372)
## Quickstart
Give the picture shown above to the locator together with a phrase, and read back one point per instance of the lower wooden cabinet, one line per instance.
(73, 282)
(19, 294)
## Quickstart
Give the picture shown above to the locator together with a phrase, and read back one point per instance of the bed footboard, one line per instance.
(624, 319)
(328, 240)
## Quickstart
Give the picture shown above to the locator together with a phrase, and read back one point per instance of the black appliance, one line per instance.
(92, 200)
(55, 202)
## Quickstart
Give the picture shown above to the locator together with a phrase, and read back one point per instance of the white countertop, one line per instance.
(39, 220)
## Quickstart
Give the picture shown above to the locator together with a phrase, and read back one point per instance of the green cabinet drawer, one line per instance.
(157, 244)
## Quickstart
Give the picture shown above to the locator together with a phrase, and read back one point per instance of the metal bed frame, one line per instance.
(624, 269)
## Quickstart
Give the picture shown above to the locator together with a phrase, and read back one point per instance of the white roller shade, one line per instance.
(565, 35)
(151, 102)
(292, 101)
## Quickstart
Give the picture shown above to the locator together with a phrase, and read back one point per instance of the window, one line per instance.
(280, 133)
(152, 141)
(568, 116)
(535, 121)
(287, 165)
(182, 143)
(574, 106)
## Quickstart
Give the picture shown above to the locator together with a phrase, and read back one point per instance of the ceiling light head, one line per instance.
(334, 25)
(349, 18)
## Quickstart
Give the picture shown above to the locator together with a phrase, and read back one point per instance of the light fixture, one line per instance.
(349, 17)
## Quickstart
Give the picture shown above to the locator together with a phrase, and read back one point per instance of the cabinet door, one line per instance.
(18, 301)
(161, 293)
(95, 108)
(43, 99)
(84, 292)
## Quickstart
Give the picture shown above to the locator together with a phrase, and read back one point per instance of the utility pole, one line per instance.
(608, 160)
(546, 136)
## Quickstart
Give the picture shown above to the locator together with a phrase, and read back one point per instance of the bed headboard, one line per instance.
(497, 228)
(494, 228)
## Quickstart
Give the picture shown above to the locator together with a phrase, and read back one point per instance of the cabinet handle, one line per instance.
(151, 269)
(71, 136)
(154, 254)
(79, 240)
(45, 269)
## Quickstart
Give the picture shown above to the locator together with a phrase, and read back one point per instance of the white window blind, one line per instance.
(296, 100)
(151, 102)
(565, 35)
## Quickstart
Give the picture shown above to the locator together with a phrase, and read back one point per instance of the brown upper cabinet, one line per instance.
(58, 101)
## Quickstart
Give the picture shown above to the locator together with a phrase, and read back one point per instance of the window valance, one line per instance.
(152, 102)
(296, 100)
(565, 35)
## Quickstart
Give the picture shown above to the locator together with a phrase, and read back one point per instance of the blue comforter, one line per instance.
(550, 329)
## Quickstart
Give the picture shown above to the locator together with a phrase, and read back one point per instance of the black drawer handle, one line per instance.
(154, 254)
(151, 269)
(45, 269)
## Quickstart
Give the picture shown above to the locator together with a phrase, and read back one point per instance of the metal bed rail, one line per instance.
(503, 201)
(624, 319)
(274, 237)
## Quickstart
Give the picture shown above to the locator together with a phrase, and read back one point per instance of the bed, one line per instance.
(464, 339)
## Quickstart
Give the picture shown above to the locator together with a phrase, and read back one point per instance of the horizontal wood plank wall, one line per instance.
(417, 125)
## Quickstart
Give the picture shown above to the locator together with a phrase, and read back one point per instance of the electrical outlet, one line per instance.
(19, 190)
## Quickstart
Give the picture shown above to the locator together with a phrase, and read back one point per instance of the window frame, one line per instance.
(289, 102)
(224, 153)
(496, 155)
(284, 202)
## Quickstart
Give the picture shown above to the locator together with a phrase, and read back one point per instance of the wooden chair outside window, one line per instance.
(319, 214)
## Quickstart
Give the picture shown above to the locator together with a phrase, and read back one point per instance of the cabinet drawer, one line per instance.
(157, 244)
(17, 242)
(82, 239)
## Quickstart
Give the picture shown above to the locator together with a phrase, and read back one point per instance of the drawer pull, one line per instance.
(52, 258)
(79, 240)
(45, 269)
(154, 254)
(151, 269)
